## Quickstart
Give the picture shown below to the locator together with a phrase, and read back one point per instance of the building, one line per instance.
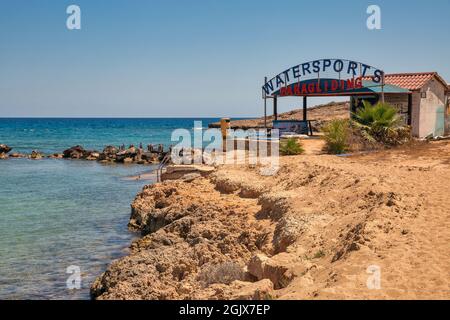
(421, 98)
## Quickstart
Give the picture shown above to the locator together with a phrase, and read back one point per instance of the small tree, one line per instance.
(336, 134)
(380, 115)
(291, 147)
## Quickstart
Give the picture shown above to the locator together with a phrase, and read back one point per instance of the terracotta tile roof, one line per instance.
(412, 81)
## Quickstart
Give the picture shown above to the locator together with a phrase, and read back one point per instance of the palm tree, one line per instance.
(381, 115)
(377, 122)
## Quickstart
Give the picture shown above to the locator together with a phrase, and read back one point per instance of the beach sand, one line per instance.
(324, 227)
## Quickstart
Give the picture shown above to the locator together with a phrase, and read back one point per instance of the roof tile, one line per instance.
(411, 81)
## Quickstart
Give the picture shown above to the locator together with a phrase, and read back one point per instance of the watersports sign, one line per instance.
(324, 77)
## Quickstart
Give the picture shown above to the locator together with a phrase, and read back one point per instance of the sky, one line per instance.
(197, 58)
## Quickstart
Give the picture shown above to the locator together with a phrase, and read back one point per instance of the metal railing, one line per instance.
(164, 162)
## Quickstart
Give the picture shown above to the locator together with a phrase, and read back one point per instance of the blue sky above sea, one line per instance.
(196, 58)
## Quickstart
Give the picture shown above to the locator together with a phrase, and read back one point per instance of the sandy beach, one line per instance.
(316, 230)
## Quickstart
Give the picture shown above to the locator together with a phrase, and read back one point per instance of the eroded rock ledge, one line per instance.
(196, 242)
(309, 232)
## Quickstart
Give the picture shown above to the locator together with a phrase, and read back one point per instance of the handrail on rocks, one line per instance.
(164, 162)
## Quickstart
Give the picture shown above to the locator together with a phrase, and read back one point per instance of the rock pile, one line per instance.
(114, 154)
(4, 149)
(109, 154)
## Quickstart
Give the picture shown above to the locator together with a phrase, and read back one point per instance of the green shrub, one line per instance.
(381, 115)
(381, 123)
(336, 136)
(291, 147)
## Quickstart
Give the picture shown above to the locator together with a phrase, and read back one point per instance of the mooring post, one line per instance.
(224, 128)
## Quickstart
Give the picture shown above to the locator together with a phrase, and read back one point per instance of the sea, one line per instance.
(63, 221)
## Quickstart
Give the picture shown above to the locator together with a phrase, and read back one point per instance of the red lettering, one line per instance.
(318, 89)
(334, 85)
(304, 90)
(289, 91)
(350, 84)
(311, 87)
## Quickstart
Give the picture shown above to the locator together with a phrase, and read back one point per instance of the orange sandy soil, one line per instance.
(311, 231)
(390, 208)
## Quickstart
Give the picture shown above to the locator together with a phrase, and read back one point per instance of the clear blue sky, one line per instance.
(196, 58)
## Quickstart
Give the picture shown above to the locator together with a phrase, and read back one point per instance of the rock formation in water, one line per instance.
(109, 154)
(36, 155)
(76, 152)
(113, 154)
(4, 148)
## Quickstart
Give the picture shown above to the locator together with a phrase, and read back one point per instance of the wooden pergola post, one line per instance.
(305, 104)
(275, 107)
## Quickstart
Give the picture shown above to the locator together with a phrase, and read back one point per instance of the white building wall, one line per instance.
(415, 114)
(447, 116)
(432, 110)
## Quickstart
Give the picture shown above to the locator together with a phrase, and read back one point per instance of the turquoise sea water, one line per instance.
(60, 213)
(55, 135)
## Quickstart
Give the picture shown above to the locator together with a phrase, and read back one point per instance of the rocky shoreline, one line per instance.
(309, 232)
(195, 244)
(110, 154)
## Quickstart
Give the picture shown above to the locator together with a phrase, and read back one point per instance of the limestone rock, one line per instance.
(279, 269)
(110, 150)
(56, 156)
(17, 155)
(127, 160)
(261, 290)
(129, 153)
(256, 265)
(4, 148)
(35, 155)
(93, 156)
(76, 152)
(188, 230)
